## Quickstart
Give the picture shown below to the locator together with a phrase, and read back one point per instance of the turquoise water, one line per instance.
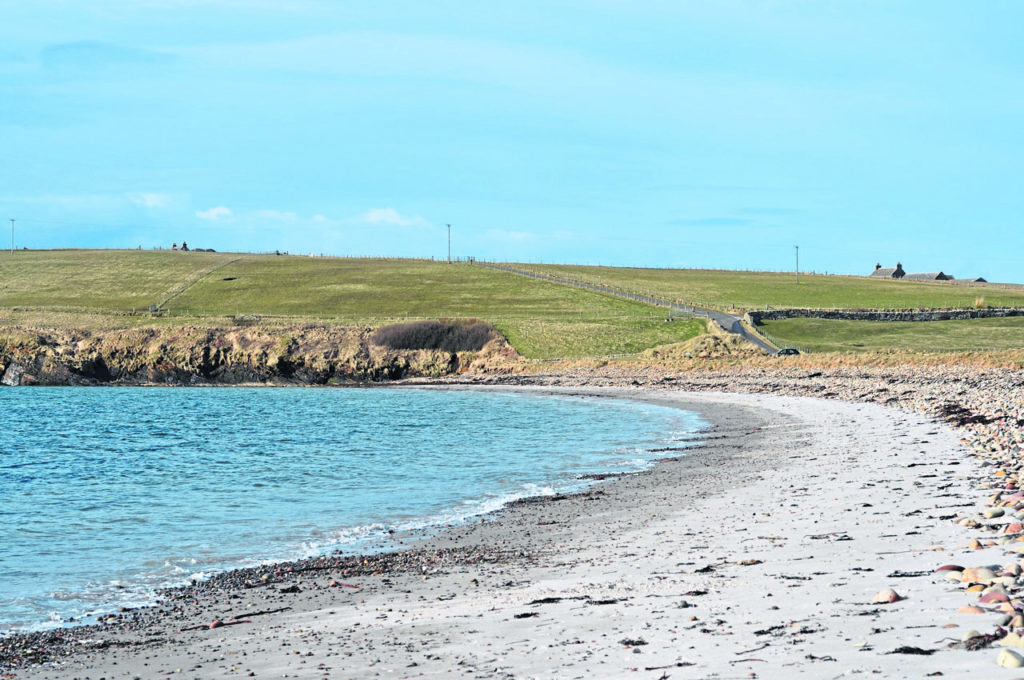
(107, 494)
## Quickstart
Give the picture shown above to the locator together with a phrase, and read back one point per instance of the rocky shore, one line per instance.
(874, 528)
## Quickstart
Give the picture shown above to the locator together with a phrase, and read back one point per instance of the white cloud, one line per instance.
(392, 217)
(148, 200)
(514, 236)
(213, 213)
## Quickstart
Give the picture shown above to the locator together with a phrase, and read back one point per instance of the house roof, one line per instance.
(887, 272)
(928, 276)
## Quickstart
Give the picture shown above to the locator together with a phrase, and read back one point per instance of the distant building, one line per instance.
(889, 272)
(929, 276)
(898, 273)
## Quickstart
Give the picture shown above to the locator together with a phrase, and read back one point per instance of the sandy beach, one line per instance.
(801, 539)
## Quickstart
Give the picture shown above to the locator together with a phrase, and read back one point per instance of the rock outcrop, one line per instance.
(309, 354)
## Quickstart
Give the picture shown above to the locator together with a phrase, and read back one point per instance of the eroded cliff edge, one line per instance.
(306, 354)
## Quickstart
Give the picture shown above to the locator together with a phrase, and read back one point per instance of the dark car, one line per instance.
(787, 352)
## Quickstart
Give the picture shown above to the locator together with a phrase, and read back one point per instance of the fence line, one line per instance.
(730, 323)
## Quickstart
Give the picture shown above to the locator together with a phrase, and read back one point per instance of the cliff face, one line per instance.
(312, 355)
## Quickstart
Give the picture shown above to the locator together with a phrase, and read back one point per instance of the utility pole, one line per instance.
(12, 236)
(449, 244)
(797, 265)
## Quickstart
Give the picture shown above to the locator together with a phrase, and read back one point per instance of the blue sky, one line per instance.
(662, 133)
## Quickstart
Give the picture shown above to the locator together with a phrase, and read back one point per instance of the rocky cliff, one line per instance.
(312, 355)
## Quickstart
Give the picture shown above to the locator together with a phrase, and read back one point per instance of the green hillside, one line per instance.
(728, 290)
(110, 289)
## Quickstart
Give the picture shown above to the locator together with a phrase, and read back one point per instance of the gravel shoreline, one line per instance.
(985, 407)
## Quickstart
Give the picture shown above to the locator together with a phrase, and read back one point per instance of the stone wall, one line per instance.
(756, 317)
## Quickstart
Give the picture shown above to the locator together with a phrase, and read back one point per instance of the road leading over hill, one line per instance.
(729, 322)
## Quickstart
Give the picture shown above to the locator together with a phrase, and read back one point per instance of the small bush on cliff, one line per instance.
(448, 337)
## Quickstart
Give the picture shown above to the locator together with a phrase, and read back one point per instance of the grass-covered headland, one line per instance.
(72, 316)
(166, 316)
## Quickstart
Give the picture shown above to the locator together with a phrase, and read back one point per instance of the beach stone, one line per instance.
(1012, 640)
(969, 634)
(993, 513)
(953, 576)
(970, 609)
(887, 596)
(1009, 659)
(992, 597)
(978, 575)
(949, 567)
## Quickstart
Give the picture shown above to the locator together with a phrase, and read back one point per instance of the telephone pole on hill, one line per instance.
(449, 243)
(797, 265)
(12, 236)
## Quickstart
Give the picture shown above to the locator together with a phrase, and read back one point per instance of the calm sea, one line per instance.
(107, 494)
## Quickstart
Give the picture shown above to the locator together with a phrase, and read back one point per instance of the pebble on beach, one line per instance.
(887, 596)
(1010, 659)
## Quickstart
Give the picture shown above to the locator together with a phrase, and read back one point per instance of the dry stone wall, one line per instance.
(757, 317)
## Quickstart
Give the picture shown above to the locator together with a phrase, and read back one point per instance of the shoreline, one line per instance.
(118, 573)
(571, 564)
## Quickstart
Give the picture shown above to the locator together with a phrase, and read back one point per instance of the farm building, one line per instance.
(929, 276)
(889, 272)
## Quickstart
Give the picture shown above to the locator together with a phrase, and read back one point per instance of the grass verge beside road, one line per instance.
(826, 335)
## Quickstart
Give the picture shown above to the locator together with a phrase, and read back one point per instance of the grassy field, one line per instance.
(820, 335)
(103, 290)
(741, 291)
(100, 290)
(109, 280)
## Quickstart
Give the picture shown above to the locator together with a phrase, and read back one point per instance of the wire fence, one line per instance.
(729, 322)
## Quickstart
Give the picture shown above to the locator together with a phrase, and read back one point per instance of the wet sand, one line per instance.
(758, 554)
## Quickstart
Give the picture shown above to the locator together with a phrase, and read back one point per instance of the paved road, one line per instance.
(729, 322)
